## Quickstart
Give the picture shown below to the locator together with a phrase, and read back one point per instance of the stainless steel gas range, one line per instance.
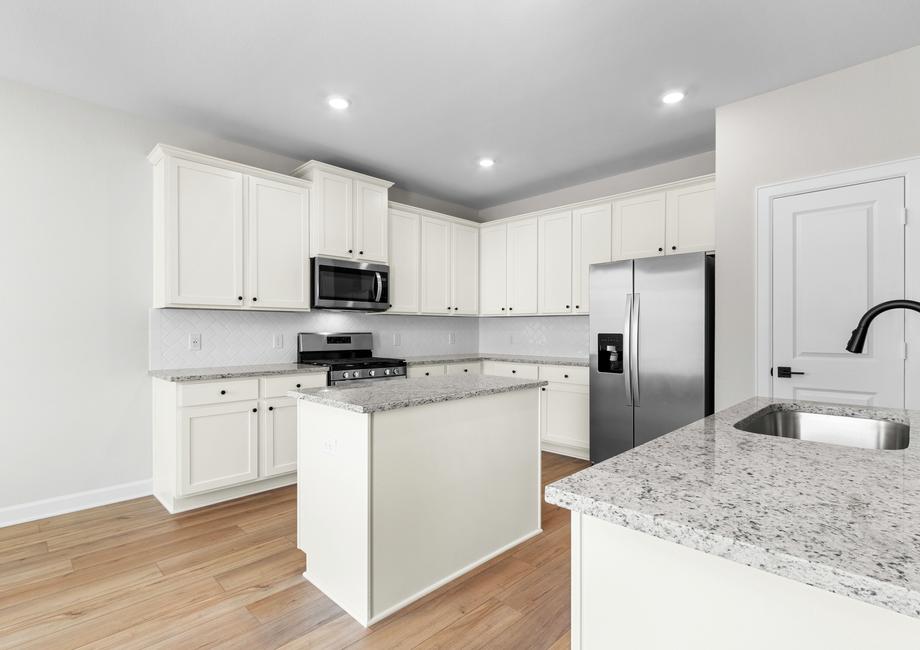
(349, 356)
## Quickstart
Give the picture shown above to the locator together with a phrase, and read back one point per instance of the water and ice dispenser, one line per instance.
(610, 353)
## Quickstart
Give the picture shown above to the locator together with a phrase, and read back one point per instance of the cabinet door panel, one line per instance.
(204, 243)
(219, 446)
(279, 436)
(464, 269)
(493, 279)
(405, 254)
(332, 215)
(639, 226)
(370, 222)
(591, 244)
(435, 283)
(522, 267)
(564, 416)
(691, 219)
(279, 246)
(555, 263)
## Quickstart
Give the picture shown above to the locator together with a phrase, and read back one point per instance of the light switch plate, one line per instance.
(397, 339)
(451, 338)
(194, 342)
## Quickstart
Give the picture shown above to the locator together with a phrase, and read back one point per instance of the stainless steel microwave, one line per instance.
(346, 284)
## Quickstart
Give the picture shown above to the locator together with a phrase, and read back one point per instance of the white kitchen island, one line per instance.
(404, 485)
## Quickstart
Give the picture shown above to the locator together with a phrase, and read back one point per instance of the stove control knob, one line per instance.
(356, 374)
(397, 371)
(372, 373)
(345, 375)
(387, 371)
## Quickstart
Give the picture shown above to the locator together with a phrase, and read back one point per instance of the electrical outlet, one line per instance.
(511, 339)
(278, 341)
(397, 339)
(194, 342)
(451, 338)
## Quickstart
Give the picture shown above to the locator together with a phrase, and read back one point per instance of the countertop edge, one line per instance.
(816, 574)
(398, 404)
(180, 376)
(426, 360)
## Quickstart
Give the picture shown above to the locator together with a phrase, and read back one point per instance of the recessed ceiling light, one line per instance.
(486, 162)
(672, 97)
(338, 103)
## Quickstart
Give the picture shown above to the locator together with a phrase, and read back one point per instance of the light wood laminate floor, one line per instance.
(130, 575)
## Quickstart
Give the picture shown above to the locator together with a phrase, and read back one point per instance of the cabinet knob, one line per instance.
(466, 370)
(427, 373)
(239, 297)
(577, 306)
(298, 386)
(567, 307)
(660, 249)
(270, 408)
(360, 252)
(542, 387)
(223, 392)
(255, 410)
(503, 309)
(673, 248)
(514, 372)
(350, 251)
(254, 299)
(566, 376)
(449, 308)
(456, 308)
(510, 308)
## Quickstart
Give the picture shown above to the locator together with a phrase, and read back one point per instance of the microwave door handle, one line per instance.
(379, 282)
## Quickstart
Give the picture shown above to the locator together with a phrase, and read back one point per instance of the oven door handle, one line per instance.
(378, 281)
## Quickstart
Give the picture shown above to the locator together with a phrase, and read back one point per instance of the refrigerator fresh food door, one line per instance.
(611, 287)
(671, 321)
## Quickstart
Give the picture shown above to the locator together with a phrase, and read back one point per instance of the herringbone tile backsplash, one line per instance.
(230, 338)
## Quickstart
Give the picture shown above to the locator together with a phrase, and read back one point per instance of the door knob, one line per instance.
(785, 372)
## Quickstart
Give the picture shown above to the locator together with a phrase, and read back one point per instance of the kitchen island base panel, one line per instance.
(633, 590)
(176, 504)
(394, 504)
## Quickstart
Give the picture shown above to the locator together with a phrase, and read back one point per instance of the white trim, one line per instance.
(306, 171)
(453, 576)
(764, 195)
(161, 151)
(562, 449)
(67, 503)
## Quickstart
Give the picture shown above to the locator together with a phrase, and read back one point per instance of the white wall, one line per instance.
(668, 172)
(854, 117)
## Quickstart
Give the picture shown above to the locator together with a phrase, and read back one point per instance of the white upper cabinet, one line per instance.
(215, 220)
(691, 219)
(591, 244)
(639, 226)
(348, 213)
(464, 255)
(405, 259)
(332, 225)
(522, 267)
(278, 232)
(493, 267)
(436, 280)
(204, 235)
(555, 263)
(370, 221)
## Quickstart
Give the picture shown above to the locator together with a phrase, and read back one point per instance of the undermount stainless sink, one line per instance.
(850, 431)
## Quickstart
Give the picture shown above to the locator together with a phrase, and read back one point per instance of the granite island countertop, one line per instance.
(233, 372)
(486, 356)
(387, 395)
(838, 518)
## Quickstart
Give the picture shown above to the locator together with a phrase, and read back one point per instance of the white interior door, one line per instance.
(836, 253)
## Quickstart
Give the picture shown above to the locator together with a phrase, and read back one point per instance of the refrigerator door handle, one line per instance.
(627, 352)
(634, 352)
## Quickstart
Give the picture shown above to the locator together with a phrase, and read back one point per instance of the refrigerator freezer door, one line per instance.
(611, 413)
(670, 368)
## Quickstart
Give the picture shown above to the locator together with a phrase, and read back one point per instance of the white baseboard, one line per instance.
(33, 510)
(566, 450)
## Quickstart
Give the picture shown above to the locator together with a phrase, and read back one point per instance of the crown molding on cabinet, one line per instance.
(161, 151)
(306, 171)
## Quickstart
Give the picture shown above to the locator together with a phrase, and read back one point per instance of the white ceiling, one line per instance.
(557, 91)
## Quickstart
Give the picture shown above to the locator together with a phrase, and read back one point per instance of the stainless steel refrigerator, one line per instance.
(651, 348)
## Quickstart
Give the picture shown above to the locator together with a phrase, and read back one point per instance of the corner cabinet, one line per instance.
(348, 213)
(228, 236)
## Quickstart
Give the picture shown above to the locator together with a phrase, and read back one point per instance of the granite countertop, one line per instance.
(839, 518)
(233, 372)
(485, 356)
(378, 396)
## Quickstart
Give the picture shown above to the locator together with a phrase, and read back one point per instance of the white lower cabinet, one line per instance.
(219, 440)
(433, 370)
(474, 368)
(564, 410)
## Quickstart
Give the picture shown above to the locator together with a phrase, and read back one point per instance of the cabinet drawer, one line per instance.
(218, 392)
(464, 369)
(505, 369)
(280, 385)
(425, 371)
(565, 374)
